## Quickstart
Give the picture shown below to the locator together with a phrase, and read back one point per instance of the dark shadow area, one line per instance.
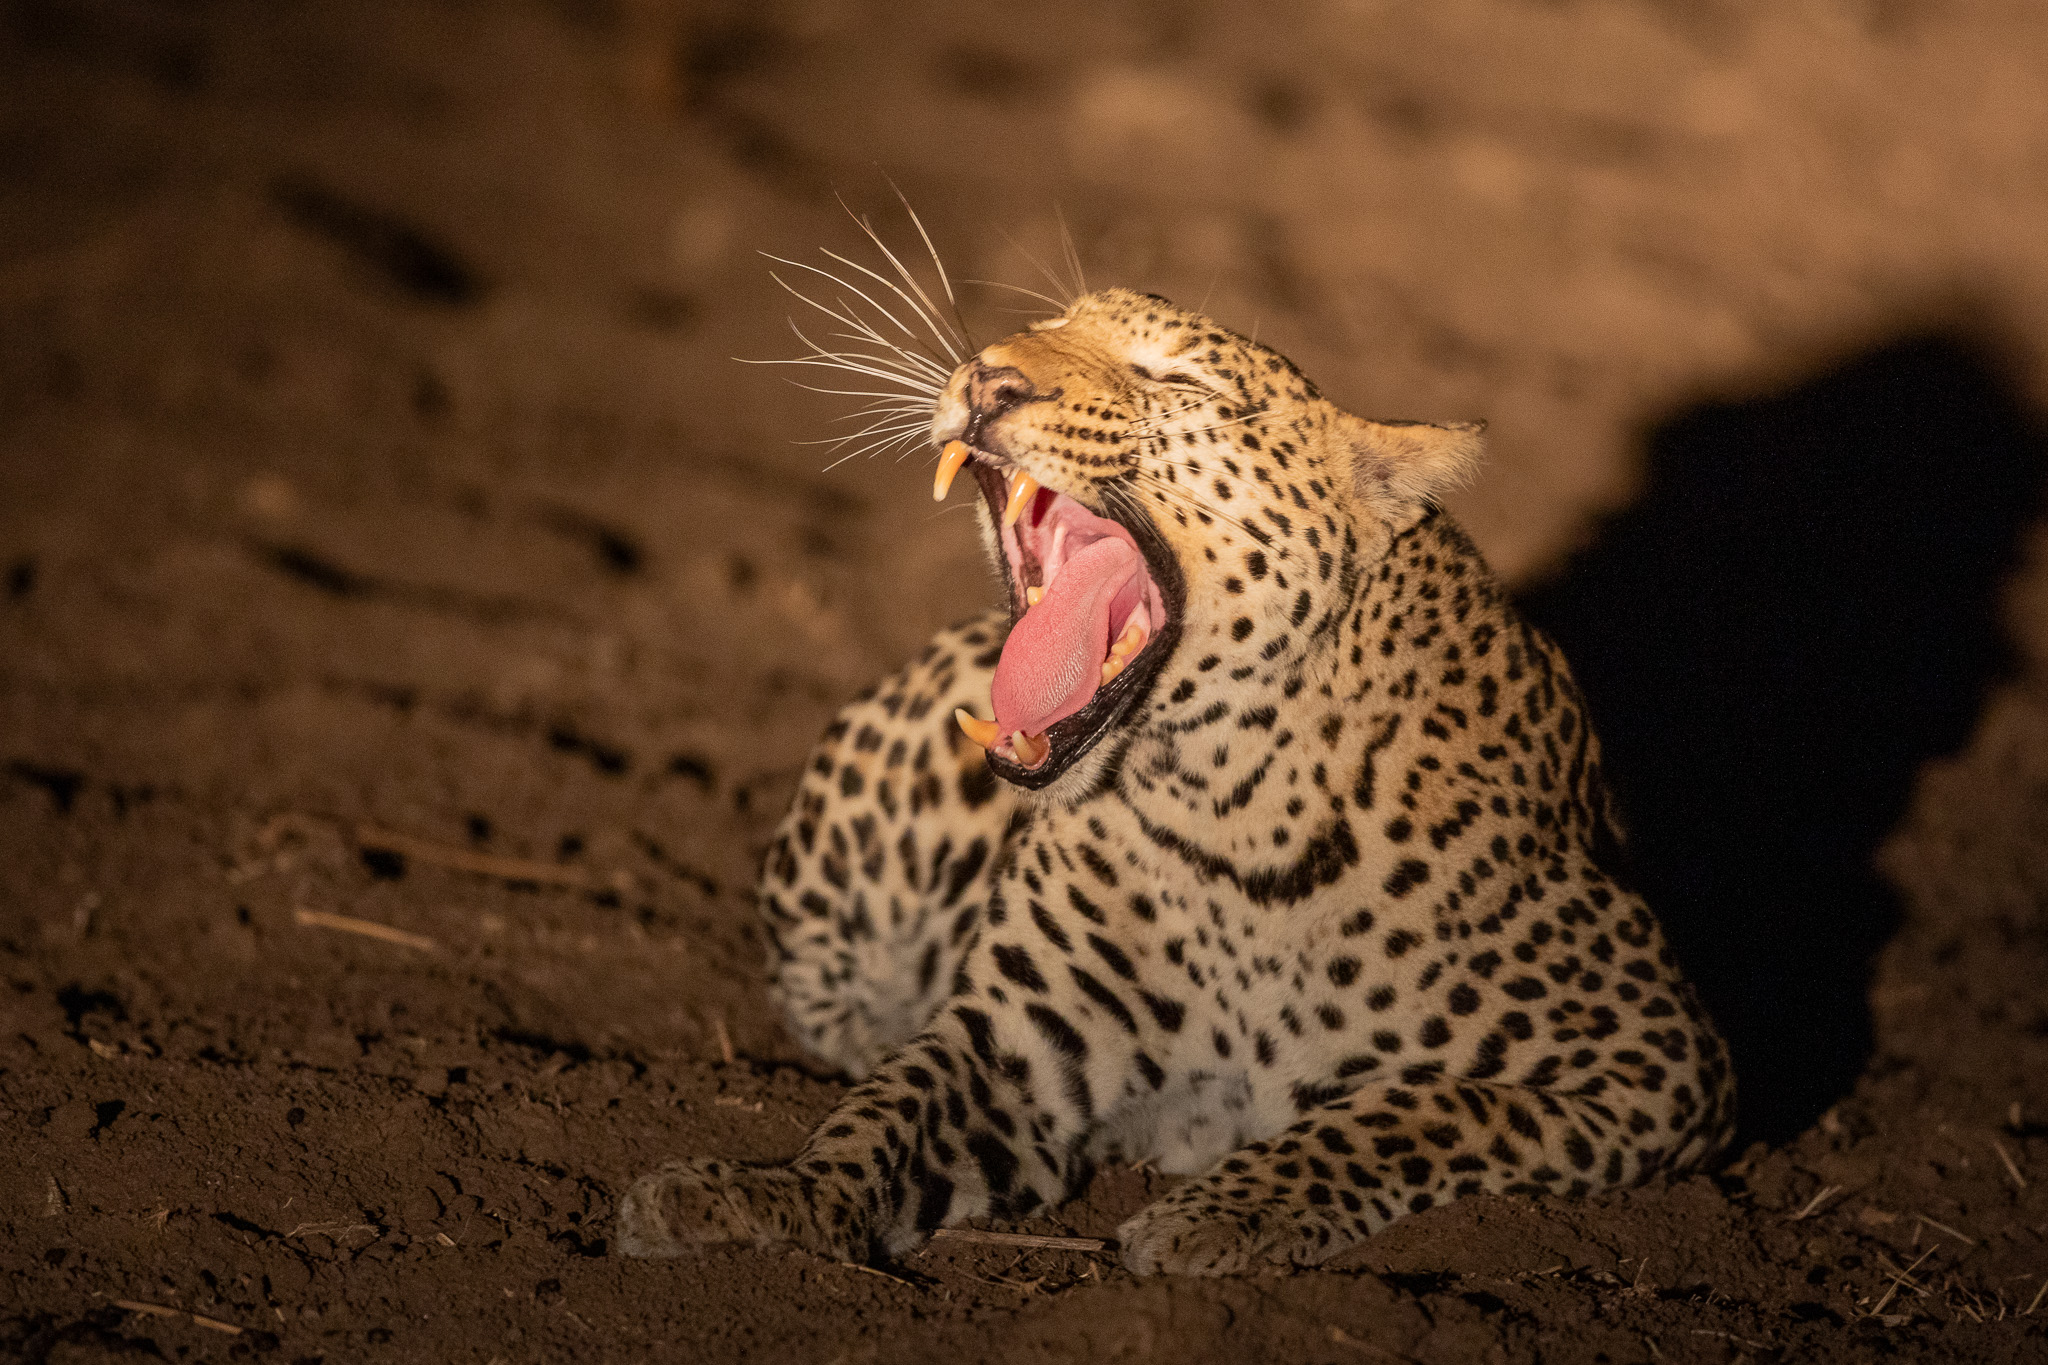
(1801, 610)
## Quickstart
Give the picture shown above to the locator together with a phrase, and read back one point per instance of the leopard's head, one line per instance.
(1165, 498)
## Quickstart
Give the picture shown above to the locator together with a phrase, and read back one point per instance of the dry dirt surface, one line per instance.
(412, 620)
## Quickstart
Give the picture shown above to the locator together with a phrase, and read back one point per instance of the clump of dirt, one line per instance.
(412, 622)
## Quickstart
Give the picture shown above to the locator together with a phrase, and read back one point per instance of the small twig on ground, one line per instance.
(334, 1231)
(482, 864)
(1901, 1277)
(349, 924)
(2039, 1294)
(1965, 1239)
(2011, 1168)
(158, 1310)
(870, 1270)
(735, 1102)
(1827, 1192)
(1020, 1239)
(724, 1039)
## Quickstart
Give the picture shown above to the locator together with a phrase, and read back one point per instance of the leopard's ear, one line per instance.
(1406, 466)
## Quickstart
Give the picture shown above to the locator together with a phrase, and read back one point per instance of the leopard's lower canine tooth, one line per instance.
(1030, 749)
(950, 460)
(986, 733)
(1033, 596)
(1020, 497)
(1128, 643)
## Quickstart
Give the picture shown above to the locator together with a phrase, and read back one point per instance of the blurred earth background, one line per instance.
(387, 533)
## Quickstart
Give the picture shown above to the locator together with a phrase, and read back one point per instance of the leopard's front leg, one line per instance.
(874, 886)
(984, 1113)
(1358, 1163)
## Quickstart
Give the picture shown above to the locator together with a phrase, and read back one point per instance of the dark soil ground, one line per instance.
(385, 533)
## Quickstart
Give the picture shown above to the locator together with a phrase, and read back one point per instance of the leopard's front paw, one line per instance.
(687, 1205)
(1183, 1235)
(1169, 1239)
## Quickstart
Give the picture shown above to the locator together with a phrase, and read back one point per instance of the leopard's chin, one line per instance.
(1044, 533)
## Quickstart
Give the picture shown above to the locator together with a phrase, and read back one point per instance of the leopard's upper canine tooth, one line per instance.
(951, 459)
(986, 733)
(1020, 496)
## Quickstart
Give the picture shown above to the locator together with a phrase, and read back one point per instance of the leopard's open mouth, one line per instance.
(1095, 610)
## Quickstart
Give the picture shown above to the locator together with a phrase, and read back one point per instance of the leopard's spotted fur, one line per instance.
(1332, 918)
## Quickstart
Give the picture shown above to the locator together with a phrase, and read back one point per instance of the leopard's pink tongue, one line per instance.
(1052, 662)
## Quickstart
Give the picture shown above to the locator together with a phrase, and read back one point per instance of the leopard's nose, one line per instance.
(993, 390)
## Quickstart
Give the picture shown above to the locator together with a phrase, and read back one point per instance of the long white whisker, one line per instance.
(1047, 299)
(855, 359)
(1175, 492)
(922, 309)
(1175, 495)
(918, 289)
(844, 285)
(915, 385)
(952, 303)
(872, 429)
(839, 317)
(1145, 426)
(871, 448)
(911, 361)
(923, 383)
(1055, 281)
(1073, 252)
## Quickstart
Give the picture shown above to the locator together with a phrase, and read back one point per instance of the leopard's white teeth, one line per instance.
(1033, 596)
(986, 733)
(951, 460)
(1029, 749)
(1020, 497)
(1127, 644)
(1132, 638)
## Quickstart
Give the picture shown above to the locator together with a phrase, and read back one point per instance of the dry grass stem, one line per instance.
(483, 864)
(1827, 1192)
(349, 924)
(2011, 1167)
(883, 1274)
(1020, 1239)
(2039, 1294)
(333, 1231)
(1964, 1238)
(158, 1310)
(735, 1102)
(725, 1049)
(1901, 1277)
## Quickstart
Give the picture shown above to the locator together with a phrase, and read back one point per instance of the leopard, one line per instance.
(1253, 834)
